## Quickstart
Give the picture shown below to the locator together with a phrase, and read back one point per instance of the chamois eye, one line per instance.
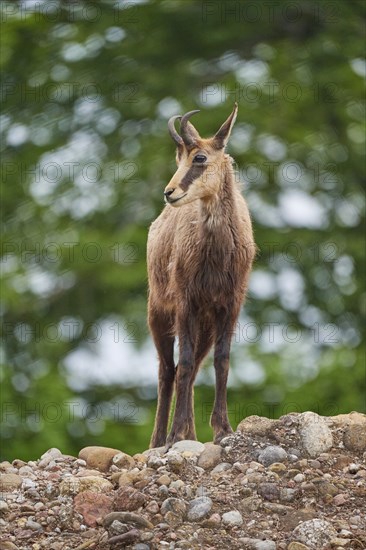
(200, 159)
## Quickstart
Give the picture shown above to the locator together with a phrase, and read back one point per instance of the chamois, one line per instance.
(199, 255)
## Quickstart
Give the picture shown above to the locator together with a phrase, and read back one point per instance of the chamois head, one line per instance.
(199, 160)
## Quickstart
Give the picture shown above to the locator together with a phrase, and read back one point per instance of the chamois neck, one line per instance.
(220, 205)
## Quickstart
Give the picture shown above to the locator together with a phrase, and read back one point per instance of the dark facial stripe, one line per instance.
(195, 171)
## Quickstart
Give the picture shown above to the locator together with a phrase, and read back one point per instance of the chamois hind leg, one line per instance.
(219, 418)
(161, 327)
(203, 344)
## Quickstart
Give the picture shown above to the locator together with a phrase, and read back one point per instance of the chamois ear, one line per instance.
(221, 137)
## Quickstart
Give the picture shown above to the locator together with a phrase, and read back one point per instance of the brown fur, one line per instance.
(199, 254)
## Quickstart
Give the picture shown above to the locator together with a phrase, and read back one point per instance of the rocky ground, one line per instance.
(295, 483)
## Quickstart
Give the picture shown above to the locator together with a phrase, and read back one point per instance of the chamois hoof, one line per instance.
(221, 434)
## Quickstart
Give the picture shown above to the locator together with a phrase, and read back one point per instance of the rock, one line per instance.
(316, 436)
(315, 533)
(212, 522)
(175, 505)
(232, 518)
(163, 480)
(222, 467)
(3, 507)
(127, 478)
(128, 499)
(100, 458)
(199, 508)
(354, 437)
(297, 546)
(8, 545)
(118, 528)
(258, 544)
(10, 482)
(269, 491)
(340, 499)
(299, 478)
(210, 457)
(189, 445)
(251, 504)
(256, 425)
(175, 461)
(123, 460)
(277, 467)
(127, 517)
(49, 456)
(34, 525)
(73, 485)
(272, 454)
(155, 462)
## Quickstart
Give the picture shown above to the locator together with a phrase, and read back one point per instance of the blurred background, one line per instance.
(87, 89)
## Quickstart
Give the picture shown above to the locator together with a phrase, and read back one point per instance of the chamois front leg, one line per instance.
(161, 329)
(182, 421)
(219, 418)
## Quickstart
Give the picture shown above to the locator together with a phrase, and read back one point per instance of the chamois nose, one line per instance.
(168, 193)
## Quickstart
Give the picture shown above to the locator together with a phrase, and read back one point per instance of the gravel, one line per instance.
(296, 483)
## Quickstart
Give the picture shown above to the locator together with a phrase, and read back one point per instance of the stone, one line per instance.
(123, 460)
(299, 478)
(269, 491)
(315, 533)
(272, 454)
(10, 482)
(212, 522)
(72, 485)
(251, 504)
(118, 528)
(34, 525)
(175, 461)
(258, 544)
(155, 462)
(126, 479)
(340, 499)
(128, 499)
(49, 456)
(256, 425)
(277, 467)
(354, 437)
(232, 518)
(297, 546)
(199, 508)
(175, 505)
(8, 545)
(163, 480)
(3, 507)
(127, 517)
(222, 467)
(316, 437)
(210, 457)
(100, 458)
(92, 506)
(189, 445)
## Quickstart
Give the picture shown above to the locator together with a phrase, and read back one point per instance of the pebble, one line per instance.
(232, 518)
(258, 544)
(188, 445)
(128, 498)
(340, 499)
(210, 456)
(175, 505)
(175, 461)
(222, 467)
(199, 508)
(100, 458)
(299, 478)
(154, 462)
(48, 456)
(34, 525)
(269, 491)
(297, 546)
(123, 460)
(4, 507)
(10, 482)
(255, 425)
(316, 436)
(272, 454)
(163, 480)
(315, 533)
(354, 437)
(72, 485)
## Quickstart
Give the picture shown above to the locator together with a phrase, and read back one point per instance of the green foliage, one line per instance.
(87, 89)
